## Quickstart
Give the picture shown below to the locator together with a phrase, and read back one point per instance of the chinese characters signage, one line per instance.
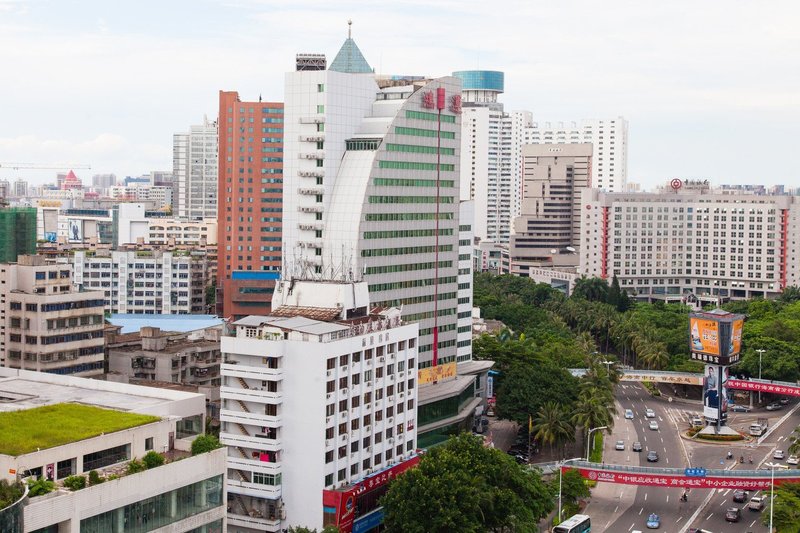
(689, 482)
(704, 336)
(436, 373)
(740, 384)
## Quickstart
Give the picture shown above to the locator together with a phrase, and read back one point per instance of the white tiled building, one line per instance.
(194, 167)
(318, 396)
(697, 240)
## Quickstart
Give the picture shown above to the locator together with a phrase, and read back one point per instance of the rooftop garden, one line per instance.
(48, 426)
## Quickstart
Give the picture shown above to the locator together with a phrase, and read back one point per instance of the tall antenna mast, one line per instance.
(349, 28)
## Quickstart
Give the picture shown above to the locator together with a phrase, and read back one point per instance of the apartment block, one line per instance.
(45, 323)
(318, 405)
(195, 168)
(145, 281)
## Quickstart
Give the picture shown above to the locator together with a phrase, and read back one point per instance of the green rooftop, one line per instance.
(45, 427)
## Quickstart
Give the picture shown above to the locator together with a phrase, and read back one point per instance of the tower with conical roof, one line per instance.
(350, 59)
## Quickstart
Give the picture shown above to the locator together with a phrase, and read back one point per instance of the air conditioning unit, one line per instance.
(381, 359)
(330, 373)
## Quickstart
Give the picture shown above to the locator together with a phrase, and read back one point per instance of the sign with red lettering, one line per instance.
(679, 480)
(427, 100)
(758, 386)
(455, 104)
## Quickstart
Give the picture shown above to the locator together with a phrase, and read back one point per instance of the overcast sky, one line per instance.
(711, 89)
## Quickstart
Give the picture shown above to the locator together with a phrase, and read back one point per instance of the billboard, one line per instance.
(651, 477)
(436, 373)
(715, 392)
(705, 336)
(764, 386)
(736, 337)
(75, 230)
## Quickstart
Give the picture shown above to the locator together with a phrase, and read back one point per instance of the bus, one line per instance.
(579, 523)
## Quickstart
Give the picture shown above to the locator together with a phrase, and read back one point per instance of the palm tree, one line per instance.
(553, 425)
(794, 447)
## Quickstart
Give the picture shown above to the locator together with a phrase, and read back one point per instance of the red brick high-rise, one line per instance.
(250, 209)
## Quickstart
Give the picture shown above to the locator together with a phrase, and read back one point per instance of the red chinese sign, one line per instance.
(427, 100)
(344, 501)
(741, 384)
(681, 481)
(455, 104)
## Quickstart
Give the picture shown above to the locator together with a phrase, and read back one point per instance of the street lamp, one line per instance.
(772, 467)
(760, 353)
(589, 437)
(560, 476)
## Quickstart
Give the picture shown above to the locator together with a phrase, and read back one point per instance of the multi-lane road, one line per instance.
(622, 508)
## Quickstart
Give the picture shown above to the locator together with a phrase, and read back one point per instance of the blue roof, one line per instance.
(132, 323)
(350, 60)
(255, 274)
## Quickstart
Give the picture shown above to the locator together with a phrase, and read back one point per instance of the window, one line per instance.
(148, 443)
(103, 458)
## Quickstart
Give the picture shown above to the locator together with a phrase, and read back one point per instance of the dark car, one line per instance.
(652, 456)
(733, 514)
(637, 446)
(740, 408)
(740, 496)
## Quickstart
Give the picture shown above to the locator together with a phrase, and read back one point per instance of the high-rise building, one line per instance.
(609, 139)
(20, 188)
(548, 232)
(194, 171)
(376, 171)
(250, 212)
(145, 282)
(104, 181)
(46, 323)
(691, 239)
(318, 408)
(17, 232)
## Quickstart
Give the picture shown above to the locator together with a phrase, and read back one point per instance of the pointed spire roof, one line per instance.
(350, 59)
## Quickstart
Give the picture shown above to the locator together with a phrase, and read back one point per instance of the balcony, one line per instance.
(316, 173)
(251, 419)
(310, 244)
(253, 522)
(250, 395)
(312, 155)
(253, 465)
(310, 208)
(259, 373)
(254, 489)
(319, 119)
(317, 137)
(247, 441)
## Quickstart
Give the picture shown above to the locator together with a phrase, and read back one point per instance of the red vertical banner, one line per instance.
(435, 345)
(440, 100)
(604, 244)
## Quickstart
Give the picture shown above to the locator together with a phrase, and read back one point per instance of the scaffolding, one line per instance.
(17, 233)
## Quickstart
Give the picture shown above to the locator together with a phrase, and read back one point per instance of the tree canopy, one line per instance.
(466, 487)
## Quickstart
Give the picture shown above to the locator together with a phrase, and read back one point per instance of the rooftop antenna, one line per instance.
(349, 28)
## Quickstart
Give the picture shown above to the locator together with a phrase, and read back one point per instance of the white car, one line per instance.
(793, 460)
(649, 413)
(778, 454)
(654, 425)
(629, 414)
(620, 445)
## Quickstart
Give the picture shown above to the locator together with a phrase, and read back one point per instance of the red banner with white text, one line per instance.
(773, 388)
(679, 481)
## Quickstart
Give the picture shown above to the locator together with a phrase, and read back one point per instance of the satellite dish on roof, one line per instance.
(553, 251)
(570, 249)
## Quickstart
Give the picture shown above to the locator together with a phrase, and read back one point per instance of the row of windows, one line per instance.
(416, 149)
(407, 267)
(390, 217)
(423, 115)
(409, 199)
(418, 300)
(420, 316)
(362, 144)
(402, 182)
(410, 283)
(443, 344)
(415, 165)
(419, 132)
(395, 234)
(378, 252)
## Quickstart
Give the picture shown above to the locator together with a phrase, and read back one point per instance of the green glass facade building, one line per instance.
(17, 233)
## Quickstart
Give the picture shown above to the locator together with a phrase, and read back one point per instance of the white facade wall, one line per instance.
(308, 420)
(465, 240)
(715, 246)
(182, 232)
(195, 168)
(609, 138)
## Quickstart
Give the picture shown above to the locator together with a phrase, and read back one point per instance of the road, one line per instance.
(712, 517)
(621, 508)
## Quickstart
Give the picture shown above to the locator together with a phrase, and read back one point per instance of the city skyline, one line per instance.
(110, 86)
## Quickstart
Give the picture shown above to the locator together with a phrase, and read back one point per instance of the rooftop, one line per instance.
(27, 430)
(350, 59)
(182, 323)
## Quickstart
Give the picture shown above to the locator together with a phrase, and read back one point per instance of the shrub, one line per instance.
(75, 482)
(112, 477)
(152, 459)
(10, 492)
(39, 487)
(720, 438)
(204, 444)
(94, 478)
(136, 466)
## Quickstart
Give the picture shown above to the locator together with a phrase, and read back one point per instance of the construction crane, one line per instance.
(18, 166)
